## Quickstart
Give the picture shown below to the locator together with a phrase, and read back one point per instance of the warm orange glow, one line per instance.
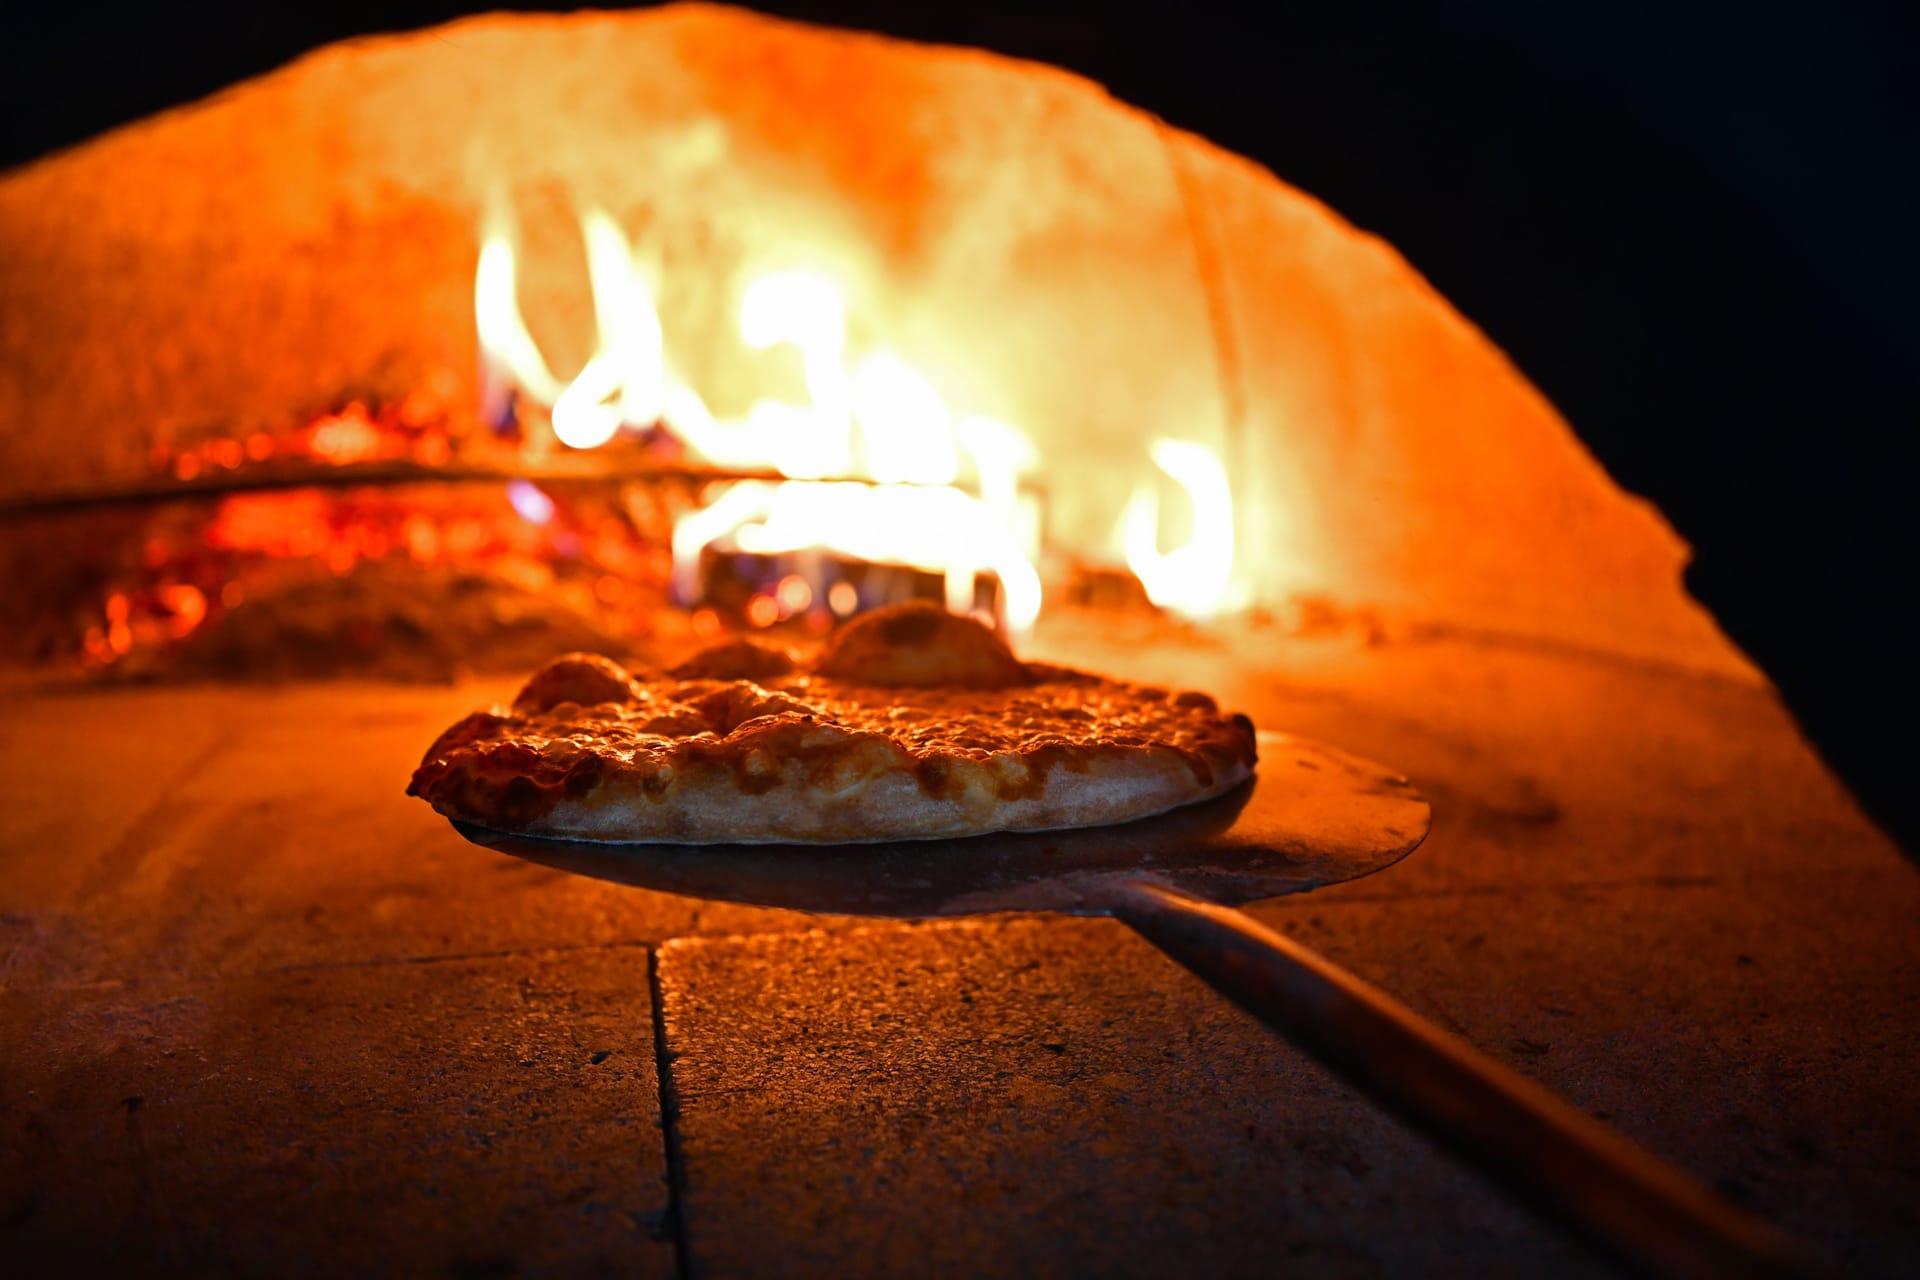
(907, 440)
(1194, 578)
(186, 604)
(119, 634)
(347, 436)
(763, 611)
(794, 594)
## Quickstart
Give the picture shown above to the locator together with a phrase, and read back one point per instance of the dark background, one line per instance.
(1691, 224)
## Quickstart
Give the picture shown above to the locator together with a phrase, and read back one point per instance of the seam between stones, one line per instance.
(1324, 898)
(674, 1224)
(448, 957)
(130, 846)
(886, 925)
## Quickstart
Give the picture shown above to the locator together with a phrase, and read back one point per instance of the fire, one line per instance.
(509, 355)
(625, 381)
(1195, 578)
(940, 530)
(904, 424)
(875, 459)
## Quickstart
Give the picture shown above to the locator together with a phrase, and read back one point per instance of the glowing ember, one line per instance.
(794, 594)
(405, 579)
(347, 436)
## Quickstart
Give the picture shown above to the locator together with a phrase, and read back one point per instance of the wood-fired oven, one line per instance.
(335, 402)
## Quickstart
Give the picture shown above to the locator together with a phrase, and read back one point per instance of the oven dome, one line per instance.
(1043, 253)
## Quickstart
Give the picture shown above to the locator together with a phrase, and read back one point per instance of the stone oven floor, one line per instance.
(260, 1012)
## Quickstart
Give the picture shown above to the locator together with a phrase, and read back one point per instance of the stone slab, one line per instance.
(1044, 1096)
(463, 1117)
(193, 830)
(1032, 1097)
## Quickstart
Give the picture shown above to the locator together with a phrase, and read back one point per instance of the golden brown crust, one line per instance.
(903, 730)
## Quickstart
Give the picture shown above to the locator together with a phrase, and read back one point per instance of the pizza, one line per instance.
(910, 723)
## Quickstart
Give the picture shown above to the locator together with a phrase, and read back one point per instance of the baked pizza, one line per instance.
(910, 723)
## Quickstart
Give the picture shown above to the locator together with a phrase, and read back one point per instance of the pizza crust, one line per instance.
(912, 724)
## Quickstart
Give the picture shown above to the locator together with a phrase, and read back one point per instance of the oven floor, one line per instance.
(261, 1012)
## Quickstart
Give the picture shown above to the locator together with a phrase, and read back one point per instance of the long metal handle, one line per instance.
(1540, 1150)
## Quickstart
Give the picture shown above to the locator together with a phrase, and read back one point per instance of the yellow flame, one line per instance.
(625, 381)
(582, 416)
(802, 311)
(1193, 579)
(504, 341)
(904, 423)
(1001, 454)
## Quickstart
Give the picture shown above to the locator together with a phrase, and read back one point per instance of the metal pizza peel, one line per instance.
(1311, 816)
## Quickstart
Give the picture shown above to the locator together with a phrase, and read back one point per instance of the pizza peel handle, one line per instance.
(1536, 1147)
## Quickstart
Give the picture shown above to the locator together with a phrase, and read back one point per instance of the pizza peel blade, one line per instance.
(1311, 816)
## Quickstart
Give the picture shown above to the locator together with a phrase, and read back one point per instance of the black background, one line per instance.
(1691, 224)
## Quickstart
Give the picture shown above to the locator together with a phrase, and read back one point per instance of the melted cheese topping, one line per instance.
(587, 734)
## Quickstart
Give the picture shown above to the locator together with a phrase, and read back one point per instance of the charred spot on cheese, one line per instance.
(910, 624)
(1202, 771)
(934, 774)
(585, 775)
(523, 800)
(920, 644)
